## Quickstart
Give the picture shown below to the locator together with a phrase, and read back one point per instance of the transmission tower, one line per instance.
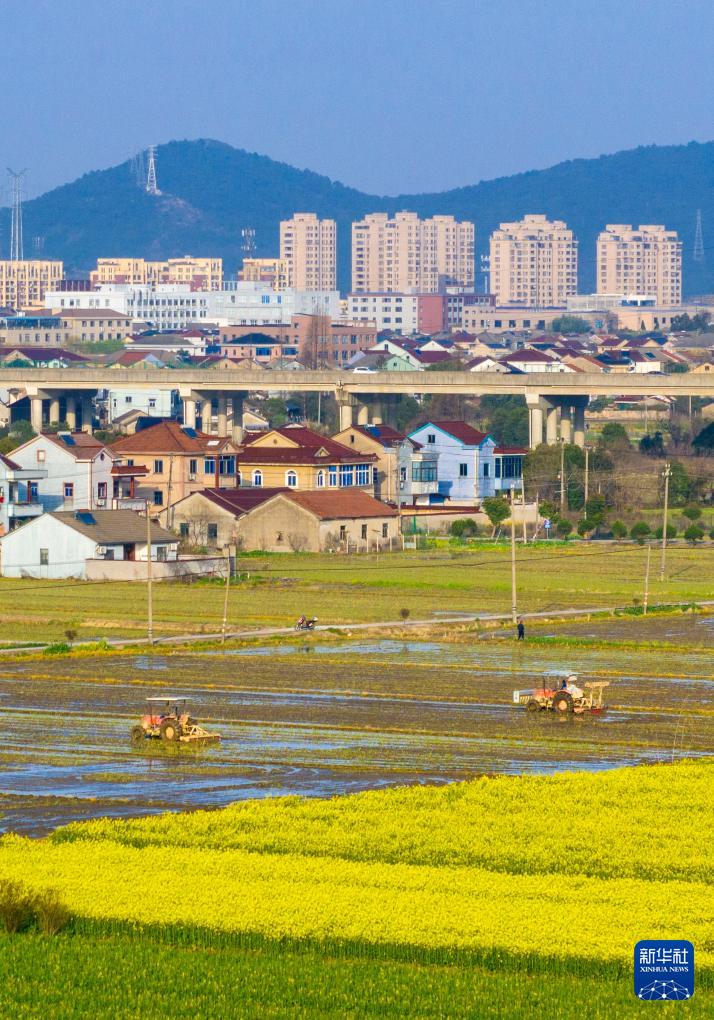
(248, 245)
(151, 185)
(38, 245)
(17, 253)
(698, 253)
(137, 169)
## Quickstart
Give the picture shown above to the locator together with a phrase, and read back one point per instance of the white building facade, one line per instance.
(77, 471)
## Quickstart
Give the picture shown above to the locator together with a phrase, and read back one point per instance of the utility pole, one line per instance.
(149, 579)
(647, 582)
(562, 476)
(666, 475)
(587, 475)
(525, 532)
(514, 607)
(225, 599)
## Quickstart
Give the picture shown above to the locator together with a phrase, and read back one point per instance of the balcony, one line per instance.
(21, 509)
(128, 503)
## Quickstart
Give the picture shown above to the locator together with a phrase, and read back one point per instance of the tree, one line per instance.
(407, 413)
(671, 531)
(614, 437)
(690, 323)
(275, 410)
(692, 513)
(640, 531)
(680, 484)
(465, 528)
(653, 446)
(703, 442)
(570, 324)
(497, 510)
(586, 526)
(506, 418)
(694, 534)
(619, 529)
(596, 510)
(548, 509)
(563, 527)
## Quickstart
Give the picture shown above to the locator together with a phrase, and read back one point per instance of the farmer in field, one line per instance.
(571, 686)
(521, 629)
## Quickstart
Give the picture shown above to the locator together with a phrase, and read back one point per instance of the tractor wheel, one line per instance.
(533, 706)
(137, 734)
(170, 731)
(562, 703)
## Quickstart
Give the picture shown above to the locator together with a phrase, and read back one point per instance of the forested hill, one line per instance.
(211, 190)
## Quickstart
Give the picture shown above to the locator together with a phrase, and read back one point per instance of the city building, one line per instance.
(404, 313)
(177, 461)
(24, 283)
(533, 263)
(31, 330)
(295, 457)
(197, 273)
(273, 272)
(407, 253)
(646, 260)
(406, 472)
(308, 247)
(96, 327)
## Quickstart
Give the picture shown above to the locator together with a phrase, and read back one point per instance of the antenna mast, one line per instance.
(248, 245)
(17, 253)
(151, 185)
(698, 253)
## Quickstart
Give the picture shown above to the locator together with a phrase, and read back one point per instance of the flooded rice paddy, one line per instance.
(320, 717)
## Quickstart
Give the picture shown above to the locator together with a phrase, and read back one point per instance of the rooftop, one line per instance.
(459, 430)
(341, 504)
(107, 527)
(170, 437)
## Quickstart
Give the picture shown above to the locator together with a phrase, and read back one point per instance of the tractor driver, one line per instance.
(571, 686)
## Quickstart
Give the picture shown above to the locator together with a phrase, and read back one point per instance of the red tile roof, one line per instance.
(385, 435)
(309, 443)
(344, 503)
(528, 355)
(240, 500)
(460, 430)
(510, 450)
(78, 443)
(170, 437)
(10, 464)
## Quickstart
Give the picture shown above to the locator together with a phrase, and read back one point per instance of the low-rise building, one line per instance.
(94, 327)
(76, 471)
(406, 472)
(298, 458)
(19, 500)
(467, 460)
(62, 543)
(33, 330)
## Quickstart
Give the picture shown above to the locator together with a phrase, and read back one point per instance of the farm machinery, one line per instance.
(167, 719)
(567, 699)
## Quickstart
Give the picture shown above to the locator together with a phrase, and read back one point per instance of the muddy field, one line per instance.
(320, 718)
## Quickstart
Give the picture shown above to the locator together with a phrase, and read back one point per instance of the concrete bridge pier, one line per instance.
(189, 411)
(363, 415)
(579, 405)
(36, 413)
(54, 410)
(535, 419)
(346, 403)
(236, 416)
(71, 414)
(566, 423)
(87, 413)
(551, 424)
(222, 417)
(377, 413)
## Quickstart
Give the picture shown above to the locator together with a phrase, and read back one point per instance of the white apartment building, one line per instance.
(534, 263)
(176, 306)
(308, 247)
(406, 253)
(646, 260)
(399, 312)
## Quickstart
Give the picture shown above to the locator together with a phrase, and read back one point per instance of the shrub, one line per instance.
(466, 528)
(15, 905)
(58, 648)
(496, 509)
(692, 513)
(711, 534)
(51, 913)
(694, 534)
(404, 613)
(619, 529)
(563, 526)
(640, 531)
(671, 531)
(585, 527)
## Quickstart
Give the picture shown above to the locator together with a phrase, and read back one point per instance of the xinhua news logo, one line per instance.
(664, 969)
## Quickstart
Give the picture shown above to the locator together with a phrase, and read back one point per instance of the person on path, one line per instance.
(521, 629)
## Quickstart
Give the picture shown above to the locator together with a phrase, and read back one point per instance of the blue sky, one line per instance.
(385, 95)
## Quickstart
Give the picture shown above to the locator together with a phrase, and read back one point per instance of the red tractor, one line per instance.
(167, 720)
(565, 699)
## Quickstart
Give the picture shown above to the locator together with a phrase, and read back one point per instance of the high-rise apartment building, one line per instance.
(534, 263)
(407, 253)
(199, 273)
(274, 272)
(647, 260)
(23, 283)
(308, 247)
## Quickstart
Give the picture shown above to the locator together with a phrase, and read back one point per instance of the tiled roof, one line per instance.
(511, 450)
(170, 437)
(529, 355)
(461, 431)
(384, 434)
(81, 444)
(433, 357)
(342, 503)
(240, 500)
(42, 353)
(9, 464)
(107, 527)
(90, 313)
(306, 452)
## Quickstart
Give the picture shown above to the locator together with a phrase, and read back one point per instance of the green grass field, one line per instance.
(274, 590)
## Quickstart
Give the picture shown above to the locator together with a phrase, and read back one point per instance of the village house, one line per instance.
(298, 458)
(471, 465)
(19, 500)
(63, 543)
(405, 471)
(177, 461)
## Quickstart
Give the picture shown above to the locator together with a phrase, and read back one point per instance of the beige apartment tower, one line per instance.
(308, 247)
(23, 283)
(647, 260)
(274, 272)
(407, 253)
(534, 263)
(199, 273)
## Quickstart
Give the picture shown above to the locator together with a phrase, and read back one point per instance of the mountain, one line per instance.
(211, 190)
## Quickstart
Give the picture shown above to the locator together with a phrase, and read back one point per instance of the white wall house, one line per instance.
(154, 403)
(467, 468)
(77, 470)
(18, 506)
(59, 544)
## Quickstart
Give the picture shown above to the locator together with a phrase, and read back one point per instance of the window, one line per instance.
(161, 553)
(362, 474)
(364, 531)
(227, 465)
(385, 531)
(343, 532)
(320, 479)
(152, 403)
(257, 478)
(212, 532)
(332, 476)
(192, 466)
(209, 465)
(183, 529)
(69, 490)
(158, 497)
(101, 490)
(346, 474)
(158, 467)
(291, 479)
(431, 437)
(424, 472)
(486, 470)
(463, 470)
(44, 557)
